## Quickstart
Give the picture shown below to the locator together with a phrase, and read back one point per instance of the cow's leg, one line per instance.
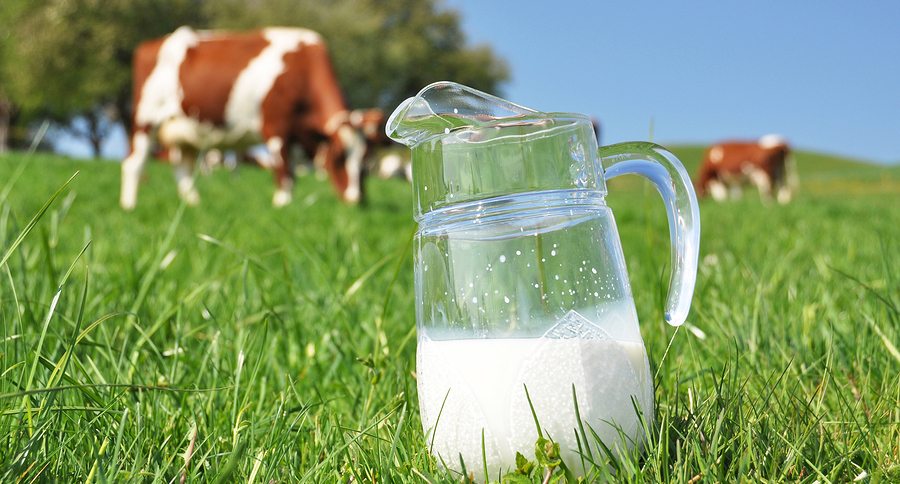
(319, 161)
(763, 182)
(354, 146)
(705, 176)
(132, 168)
(782, 188)
(211, 159)
(281, 171)
(788, 182)
(718, 190)
(183, 167)
(304, 163)
(784, 194)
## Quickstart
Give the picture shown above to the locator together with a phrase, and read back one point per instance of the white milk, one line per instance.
(482, 380)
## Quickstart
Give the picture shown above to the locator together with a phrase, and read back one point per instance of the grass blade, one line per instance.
(34, 220)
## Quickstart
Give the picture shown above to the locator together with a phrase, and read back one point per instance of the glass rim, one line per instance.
(560, 121)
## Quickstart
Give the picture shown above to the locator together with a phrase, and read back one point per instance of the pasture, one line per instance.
(236, 342)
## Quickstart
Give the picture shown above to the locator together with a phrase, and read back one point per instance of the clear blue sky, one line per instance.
(825, 74)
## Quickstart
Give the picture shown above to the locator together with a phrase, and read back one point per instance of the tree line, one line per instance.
(68, 60)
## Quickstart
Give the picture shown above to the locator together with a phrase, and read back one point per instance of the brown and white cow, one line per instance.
(727, 166)
(195, 91)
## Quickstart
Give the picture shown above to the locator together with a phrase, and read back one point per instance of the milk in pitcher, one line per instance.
(470, 386)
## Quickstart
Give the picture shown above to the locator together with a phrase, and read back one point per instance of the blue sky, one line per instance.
(824, 74)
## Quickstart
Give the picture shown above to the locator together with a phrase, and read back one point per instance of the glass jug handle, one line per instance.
(674, 185)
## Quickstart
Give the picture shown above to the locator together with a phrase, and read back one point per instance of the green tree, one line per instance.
(6, 114)
(71, 59)
(10, 11)
(383, 50)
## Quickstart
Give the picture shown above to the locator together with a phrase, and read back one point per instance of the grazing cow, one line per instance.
(198, 91)
(764, 163)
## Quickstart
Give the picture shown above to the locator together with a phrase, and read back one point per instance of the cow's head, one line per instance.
(370, 122)
(340, 148)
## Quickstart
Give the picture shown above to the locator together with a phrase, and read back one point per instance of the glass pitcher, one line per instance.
(523, 306)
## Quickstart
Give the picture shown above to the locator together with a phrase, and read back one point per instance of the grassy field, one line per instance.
(234, 342)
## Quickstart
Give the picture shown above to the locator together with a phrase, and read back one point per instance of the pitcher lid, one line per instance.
(468, 145)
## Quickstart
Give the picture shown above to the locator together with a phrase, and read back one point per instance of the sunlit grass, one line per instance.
(234, 342)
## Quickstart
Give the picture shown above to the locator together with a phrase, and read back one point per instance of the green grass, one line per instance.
(234, 342)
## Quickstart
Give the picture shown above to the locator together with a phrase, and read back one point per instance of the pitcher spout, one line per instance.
(468, 146)
(444, 106)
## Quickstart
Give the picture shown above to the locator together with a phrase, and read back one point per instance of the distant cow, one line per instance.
(730, 165)
(198, 91)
